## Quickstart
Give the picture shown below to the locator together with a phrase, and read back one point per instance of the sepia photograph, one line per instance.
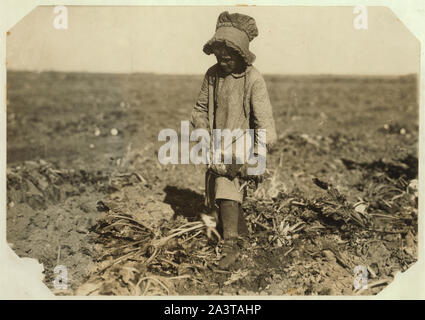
(213, 150)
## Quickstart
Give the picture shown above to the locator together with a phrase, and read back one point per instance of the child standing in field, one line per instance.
(233, 96)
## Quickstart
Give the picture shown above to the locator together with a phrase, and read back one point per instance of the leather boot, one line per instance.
(229, 213)
(230, 254)
(242, 227)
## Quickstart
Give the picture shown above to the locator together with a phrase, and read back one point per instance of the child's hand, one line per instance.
(219, 169)
(230, 171)
(245, 176)
(233, 170)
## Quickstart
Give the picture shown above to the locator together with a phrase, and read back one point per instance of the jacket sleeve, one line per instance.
(199, 118)
(262, 111)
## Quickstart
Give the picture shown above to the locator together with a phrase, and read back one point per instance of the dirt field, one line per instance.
(85, 189)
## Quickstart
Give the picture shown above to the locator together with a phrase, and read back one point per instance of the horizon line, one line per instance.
(202, 74)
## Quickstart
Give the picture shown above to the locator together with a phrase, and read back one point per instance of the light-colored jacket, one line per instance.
(238, 101)
(246, 91)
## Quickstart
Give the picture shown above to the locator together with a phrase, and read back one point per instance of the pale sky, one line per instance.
(292, 40)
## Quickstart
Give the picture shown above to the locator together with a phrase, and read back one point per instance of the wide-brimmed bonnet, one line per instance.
(235, 31)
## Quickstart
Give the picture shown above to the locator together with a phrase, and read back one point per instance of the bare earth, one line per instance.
(341, 189)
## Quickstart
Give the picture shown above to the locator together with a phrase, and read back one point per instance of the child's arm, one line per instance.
(262, 111)
(199, 117)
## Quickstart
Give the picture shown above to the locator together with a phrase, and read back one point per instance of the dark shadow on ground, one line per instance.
(406, 167)
(184, 202)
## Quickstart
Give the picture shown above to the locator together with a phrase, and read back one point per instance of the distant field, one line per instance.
(352, 132)
(54, 115)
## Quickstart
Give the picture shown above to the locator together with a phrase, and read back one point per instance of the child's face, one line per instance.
(228, 60)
